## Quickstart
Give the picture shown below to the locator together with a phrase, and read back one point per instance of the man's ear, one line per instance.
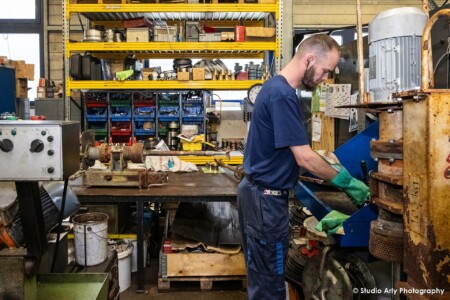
(310, 60)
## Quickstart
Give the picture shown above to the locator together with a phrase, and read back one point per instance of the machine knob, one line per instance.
(50, 170)
(6, 145)
(50, 152)
(36, 146)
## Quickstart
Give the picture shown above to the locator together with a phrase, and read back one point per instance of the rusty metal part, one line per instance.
(391, 149)
(239, 172)
(312, 180)
(386, 237)
(387, 191)
(138, 178)
(135, 153)
(390, 168)
(104, 154)
(391, 125)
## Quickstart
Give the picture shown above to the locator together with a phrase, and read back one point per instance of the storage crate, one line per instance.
(259, 34)
(96, 113)
(187, 146)
(169, 113)
(144, 128)
(120, 128)
(120, 113)
(138, 34)
(193, 111)
(144, 112)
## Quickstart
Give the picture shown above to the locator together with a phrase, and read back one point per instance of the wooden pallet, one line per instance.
(171, 284)
(204, 271)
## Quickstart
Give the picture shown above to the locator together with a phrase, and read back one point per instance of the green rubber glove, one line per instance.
(332, 222)
(354, 188)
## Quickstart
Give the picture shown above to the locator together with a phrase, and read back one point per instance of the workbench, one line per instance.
(181, 187)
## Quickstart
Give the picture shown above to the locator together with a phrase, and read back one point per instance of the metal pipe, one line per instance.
(427, 53)
(184, 153)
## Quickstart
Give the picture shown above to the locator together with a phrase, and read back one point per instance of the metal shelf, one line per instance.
(159, 84)
(157, 47)
(178, 11)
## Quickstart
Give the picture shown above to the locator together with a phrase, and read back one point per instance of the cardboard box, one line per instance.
(42, 82)
(138, 34)
(227, 36)
(198, 74)
(165, 34)
(147, 73)
(29, 71)
(183, 75)
(40, 92)
(19, 65)
(209, 37)
(75, 94)
(260, 34)
(4, 60)
(21, 88)
(239, 34)
(191, 31)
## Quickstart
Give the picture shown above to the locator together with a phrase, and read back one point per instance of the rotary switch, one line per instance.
(36, 146)
(6, 145)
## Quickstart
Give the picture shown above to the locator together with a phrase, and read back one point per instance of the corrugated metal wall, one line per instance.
(335, 13)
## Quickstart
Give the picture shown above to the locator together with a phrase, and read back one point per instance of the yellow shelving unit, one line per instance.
(112, 13)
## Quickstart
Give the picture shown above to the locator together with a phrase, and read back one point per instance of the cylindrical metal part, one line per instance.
(395, 38)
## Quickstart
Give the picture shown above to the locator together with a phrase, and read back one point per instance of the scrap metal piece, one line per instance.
(239, 172)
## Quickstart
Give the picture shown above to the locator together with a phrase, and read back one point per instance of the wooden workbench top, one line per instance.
(194, 186)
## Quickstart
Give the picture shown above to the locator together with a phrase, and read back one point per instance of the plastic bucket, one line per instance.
(134, 265)
(91, 238)
(124, 255)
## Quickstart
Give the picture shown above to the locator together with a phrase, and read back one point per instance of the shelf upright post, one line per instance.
(66, 58)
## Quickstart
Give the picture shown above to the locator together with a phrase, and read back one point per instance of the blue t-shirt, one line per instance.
(275, 126)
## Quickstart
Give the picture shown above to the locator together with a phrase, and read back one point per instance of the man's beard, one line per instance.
(308, 79)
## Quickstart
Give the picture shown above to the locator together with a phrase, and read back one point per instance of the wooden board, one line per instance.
(205, 264)
(327, 136)
(204, 283)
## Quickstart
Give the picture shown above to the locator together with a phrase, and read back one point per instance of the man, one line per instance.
(277, 146)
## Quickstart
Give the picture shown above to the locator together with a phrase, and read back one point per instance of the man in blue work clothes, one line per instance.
(277, 146)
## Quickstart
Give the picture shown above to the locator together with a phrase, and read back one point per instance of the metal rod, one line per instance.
(184, 153)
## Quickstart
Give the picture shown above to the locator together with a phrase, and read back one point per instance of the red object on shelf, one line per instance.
(167, 246)
(37, 118)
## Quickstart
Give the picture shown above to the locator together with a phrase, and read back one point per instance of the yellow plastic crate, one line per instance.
(191, 146)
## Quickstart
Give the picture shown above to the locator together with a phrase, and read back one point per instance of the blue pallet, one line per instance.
(357, 226)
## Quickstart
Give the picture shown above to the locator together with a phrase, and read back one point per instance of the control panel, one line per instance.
(39, 150)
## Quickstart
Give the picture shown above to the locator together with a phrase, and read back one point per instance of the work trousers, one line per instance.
(264, 223)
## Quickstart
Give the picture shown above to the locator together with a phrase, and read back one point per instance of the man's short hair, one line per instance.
(319, 44)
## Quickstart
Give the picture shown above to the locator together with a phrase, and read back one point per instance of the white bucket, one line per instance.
(134, 264)
(91, 238)
(124, 255)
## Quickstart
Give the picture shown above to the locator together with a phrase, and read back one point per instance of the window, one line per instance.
(18, 9)
(23, 47)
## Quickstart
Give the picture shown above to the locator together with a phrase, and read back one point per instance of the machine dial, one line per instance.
(36, 146)
(6, 145)
(253, 91)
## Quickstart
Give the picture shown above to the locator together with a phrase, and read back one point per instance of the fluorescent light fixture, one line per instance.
(227, 106)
